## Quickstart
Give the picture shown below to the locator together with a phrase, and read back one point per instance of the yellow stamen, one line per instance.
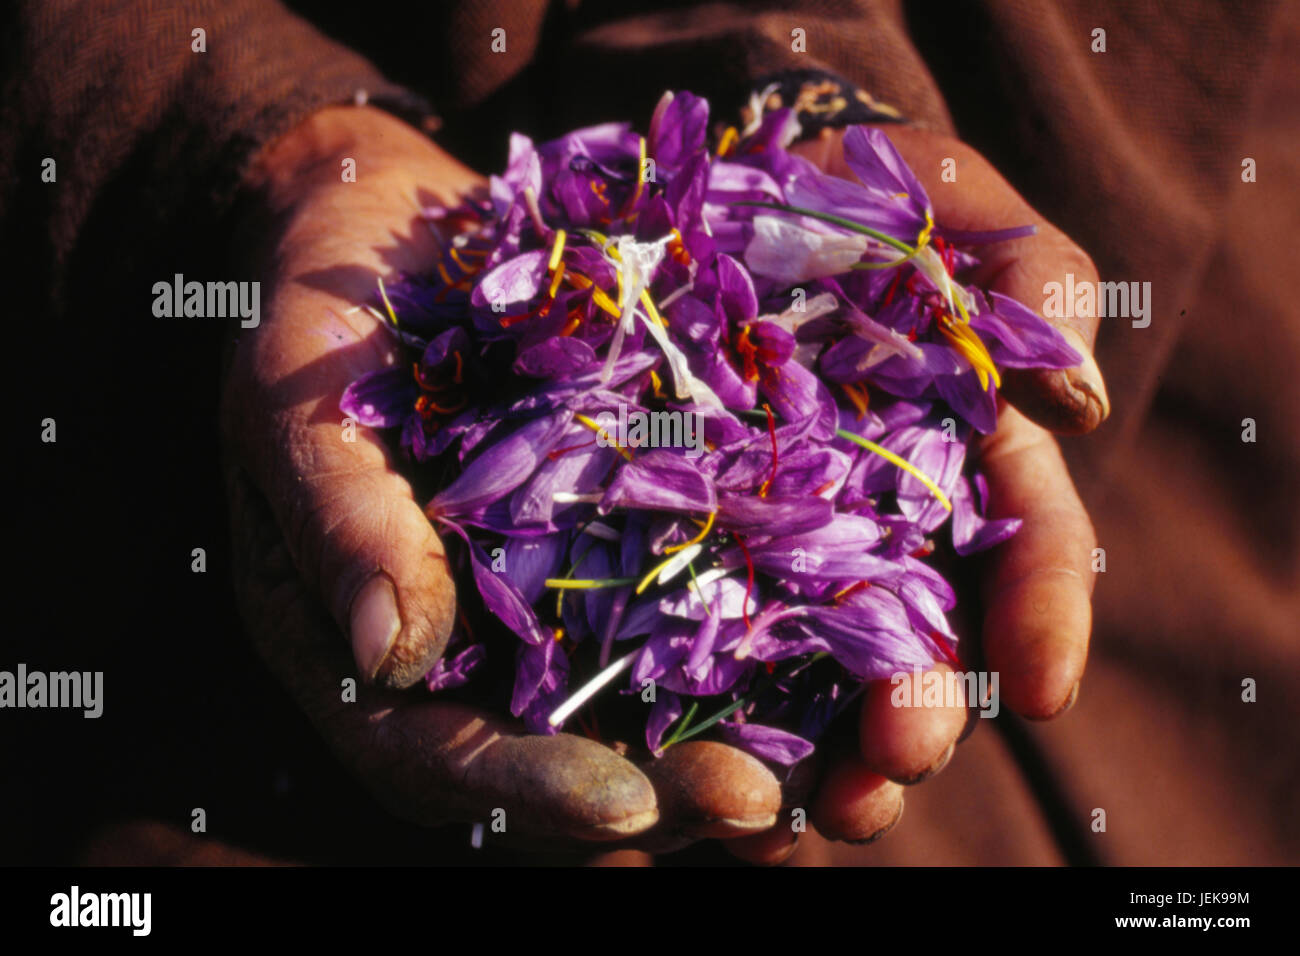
(559, 634)
(923, 237)
(963, 348)
(650, 308)
(581, 584)
(858, 396)
(446, 276)
(965, 316)
(640, 176)
(728, 140)
(555, 282)
(902, 463)
(606, 435)
(556, 251)
(704, 533)
(383, 294)
(658, 384)
(598, 295)
(604, 302)
(654, 572)
(968, 344)
(677, 248)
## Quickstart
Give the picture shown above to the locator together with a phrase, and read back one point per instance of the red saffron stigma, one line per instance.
(946, 254)
(852, 589)
(560, 452)
(748, 351)
(771, 431)
(893, 287)
(942, 644)
(749, 584)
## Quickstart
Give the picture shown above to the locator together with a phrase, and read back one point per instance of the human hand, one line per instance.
(329, 537)
(1036, 587)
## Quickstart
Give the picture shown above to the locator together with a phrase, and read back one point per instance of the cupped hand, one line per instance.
(1036, 588)
(332, 550)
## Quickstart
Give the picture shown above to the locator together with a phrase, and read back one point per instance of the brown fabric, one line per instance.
(1136, 152)
(118, 97)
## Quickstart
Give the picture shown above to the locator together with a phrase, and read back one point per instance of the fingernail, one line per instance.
(742, 825)
(934, 768)
(628, 826)
(1069, 701)
(375, 624)
(883, 830)
(1087, 376)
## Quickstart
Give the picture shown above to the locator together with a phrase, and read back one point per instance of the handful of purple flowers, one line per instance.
(697, 417)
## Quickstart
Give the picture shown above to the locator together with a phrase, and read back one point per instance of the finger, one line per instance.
(777, 843)
(1071, 401)
(426, 760)
(353, 526)
(909, 743)
(1065, 400)
(434, 759)
(355, 531)
(710, 790)
(767, 848)
(854, 804)
(1038, 587)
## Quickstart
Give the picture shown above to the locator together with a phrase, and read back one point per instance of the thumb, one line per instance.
(354, 529)
(1067, 401)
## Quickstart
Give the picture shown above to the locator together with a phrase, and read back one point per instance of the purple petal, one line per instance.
(664, 712)
(660, 481)
(456, 672)
(773, 515)
(766, 743)
(555, 357)
(381, 399)
(501, 468)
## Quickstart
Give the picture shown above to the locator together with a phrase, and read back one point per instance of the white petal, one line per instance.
(679, 563)
(788, 252)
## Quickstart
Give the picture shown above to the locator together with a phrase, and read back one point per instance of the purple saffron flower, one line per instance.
(819, 333)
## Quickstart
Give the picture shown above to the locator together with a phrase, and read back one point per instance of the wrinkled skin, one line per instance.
(332, 549)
